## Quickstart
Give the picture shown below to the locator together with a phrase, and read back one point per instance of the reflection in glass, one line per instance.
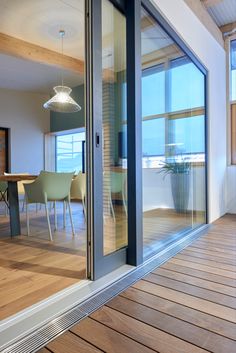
(173, 139)
(114, 132)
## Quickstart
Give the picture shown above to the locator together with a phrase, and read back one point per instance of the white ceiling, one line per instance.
(19, 74)
(39, 22)
(223, 12)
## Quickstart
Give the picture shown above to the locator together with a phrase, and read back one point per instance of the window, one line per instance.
(233, 69)
(173, 111)
(70, 152)
(233, 99)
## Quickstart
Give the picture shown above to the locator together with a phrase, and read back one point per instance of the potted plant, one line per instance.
(178, 167)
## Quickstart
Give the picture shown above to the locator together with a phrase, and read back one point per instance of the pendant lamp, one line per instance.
(61, 102)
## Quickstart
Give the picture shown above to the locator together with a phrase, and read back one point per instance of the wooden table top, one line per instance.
(18, 177)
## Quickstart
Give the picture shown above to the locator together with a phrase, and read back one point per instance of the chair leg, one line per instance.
(27, 218)
(64, 214)
(112, 209)
(6, 210)
(84, 208)
(23, 205)
(124, 203)
(55, 216)
(71, 220)
(49, 227)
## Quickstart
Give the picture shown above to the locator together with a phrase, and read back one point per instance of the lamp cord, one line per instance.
(62, 34)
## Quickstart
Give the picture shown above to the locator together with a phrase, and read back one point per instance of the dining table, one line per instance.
(13, 199)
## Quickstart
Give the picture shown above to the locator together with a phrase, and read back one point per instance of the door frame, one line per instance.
(7, 145)
(98, 264)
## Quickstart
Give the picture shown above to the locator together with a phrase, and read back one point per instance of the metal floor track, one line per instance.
(39, 338)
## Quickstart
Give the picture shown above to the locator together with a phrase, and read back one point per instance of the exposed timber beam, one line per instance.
(28, 51)
(201, 12)
(209, 3)
(230, 27)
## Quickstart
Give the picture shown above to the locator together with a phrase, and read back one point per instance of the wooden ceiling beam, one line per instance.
(228, 27)
(210, 3)
(21, 49)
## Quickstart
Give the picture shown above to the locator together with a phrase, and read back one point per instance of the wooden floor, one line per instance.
(33, 268)
(185, 306)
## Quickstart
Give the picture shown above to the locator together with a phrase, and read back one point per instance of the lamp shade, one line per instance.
(61, 102)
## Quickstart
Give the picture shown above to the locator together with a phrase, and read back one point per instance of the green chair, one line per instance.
(78, 189)
(3, 194)
(117, 184)
(49, 186)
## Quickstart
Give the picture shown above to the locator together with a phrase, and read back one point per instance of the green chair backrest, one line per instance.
(117, 181)
(56, 186)
(3, 186)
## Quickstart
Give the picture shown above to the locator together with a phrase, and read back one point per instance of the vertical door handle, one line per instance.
(97, 137)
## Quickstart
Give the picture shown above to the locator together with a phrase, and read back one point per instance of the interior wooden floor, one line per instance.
(33, 268)
(185, 306)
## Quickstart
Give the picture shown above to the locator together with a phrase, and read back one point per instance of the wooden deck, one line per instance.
(185, 306)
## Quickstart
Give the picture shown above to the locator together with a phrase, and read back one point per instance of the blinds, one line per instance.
(233, 55)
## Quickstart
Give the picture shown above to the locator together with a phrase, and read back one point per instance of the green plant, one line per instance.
(175, 165)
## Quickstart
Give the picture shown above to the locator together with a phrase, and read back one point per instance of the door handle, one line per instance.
(97, 138)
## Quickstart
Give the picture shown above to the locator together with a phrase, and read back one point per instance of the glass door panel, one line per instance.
(114, 128)
(106, 145)
(173, 127)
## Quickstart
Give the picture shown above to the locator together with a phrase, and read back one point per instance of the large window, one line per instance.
(70, 152)
(173, 111)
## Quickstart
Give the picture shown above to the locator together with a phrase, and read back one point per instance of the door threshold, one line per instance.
(95, 295)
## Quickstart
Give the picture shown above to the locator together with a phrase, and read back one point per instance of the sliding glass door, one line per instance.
(107, 155)
(173, 139)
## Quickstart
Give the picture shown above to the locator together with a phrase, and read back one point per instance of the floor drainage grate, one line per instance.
(39, 338)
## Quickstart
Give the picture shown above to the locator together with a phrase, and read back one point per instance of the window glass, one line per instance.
(69, 152)
(153, 91)
(173, 139)
(233, 70)
(153, 137)
(186, 83)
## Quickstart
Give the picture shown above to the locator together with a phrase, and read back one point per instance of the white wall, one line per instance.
(23, 113)
(213, 56)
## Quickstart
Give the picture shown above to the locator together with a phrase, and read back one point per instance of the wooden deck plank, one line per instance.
(195, 281)
(211, 277)
(207, 262)
(70, 343)
(144, 333)
(185, 306)
(186, 299)
(44, 350)
(175, 327)
(107, 339)
(210, 256)
(194, 291)
(213, 270)
(198, 318)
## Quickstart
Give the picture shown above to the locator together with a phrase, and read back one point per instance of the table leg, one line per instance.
(14, 208)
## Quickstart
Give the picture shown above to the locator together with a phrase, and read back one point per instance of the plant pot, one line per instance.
(180, 184)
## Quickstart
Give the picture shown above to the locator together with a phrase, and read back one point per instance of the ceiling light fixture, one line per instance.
(61, 102)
